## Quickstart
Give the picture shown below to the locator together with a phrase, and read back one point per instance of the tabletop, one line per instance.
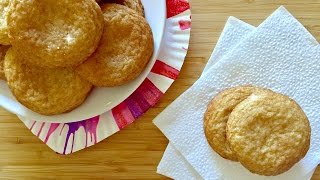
(135, 152)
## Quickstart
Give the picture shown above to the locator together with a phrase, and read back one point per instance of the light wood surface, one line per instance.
(135, 152)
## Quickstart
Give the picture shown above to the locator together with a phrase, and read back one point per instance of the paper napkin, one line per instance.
(173, 164)
(281, 55)
(233, 33)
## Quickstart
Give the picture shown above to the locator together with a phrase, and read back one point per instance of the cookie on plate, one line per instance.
(124, 50)
(3, 51)
(269, 133)
(51, 33)
(217, 115)
(46, 91)
(4, 7)
(135, 5)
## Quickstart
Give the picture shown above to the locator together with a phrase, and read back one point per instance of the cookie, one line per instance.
(3, 51)
(217, 115)
(50, 33)
(47, 91)
(4, 7)
(269, 133)
(135, 5)
(124, 50)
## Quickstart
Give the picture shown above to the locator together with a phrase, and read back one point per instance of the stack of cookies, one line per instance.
(265, 131)
(54, 52)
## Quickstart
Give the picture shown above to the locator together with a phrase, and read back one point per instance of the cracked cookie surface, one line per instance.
(269, 133)
(51, 33)
(47, 91)
(124, 50)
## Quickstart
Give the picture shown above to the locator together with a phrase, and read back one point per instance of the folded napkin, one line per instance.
(173, 164)
(280, 55)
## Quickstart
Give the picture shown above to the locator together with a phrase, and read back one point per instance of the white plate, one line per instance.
(101, 99)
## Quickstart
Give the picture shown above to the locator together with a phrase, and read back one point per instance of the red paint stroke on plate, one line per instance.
(175, 7)
(185, 24)
(52, 129)
(150, 93)
(164, 69)
(38, 135)
(146, 96)
(122, 115)
(34, 122)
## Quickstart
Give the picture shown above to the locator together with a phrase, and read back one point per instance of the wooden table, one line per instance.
(136, 151)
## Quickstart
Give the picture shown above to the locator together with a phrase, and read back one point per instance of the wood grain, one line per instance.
(135, 152)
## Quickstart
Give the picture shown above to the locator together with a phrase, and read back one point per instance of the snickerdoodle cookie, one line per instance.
(51, 33)
(4, 7)
(268, 132)
(3, 51)
(217, 115)
(124, 50)
(46, 91)
(135, 5)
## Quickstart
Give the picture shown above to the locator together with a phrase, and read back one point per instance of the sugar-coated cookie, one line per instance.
(46, 91)
(135, 5)
(269, 133)
(3, 51)
(51, 33)
(124, 50)
(4, 7)
(217, 115)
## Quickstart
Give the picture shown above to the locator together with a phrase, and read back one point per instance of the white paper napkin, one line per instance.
(233, 33)
(173, 164)
(280, 55)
